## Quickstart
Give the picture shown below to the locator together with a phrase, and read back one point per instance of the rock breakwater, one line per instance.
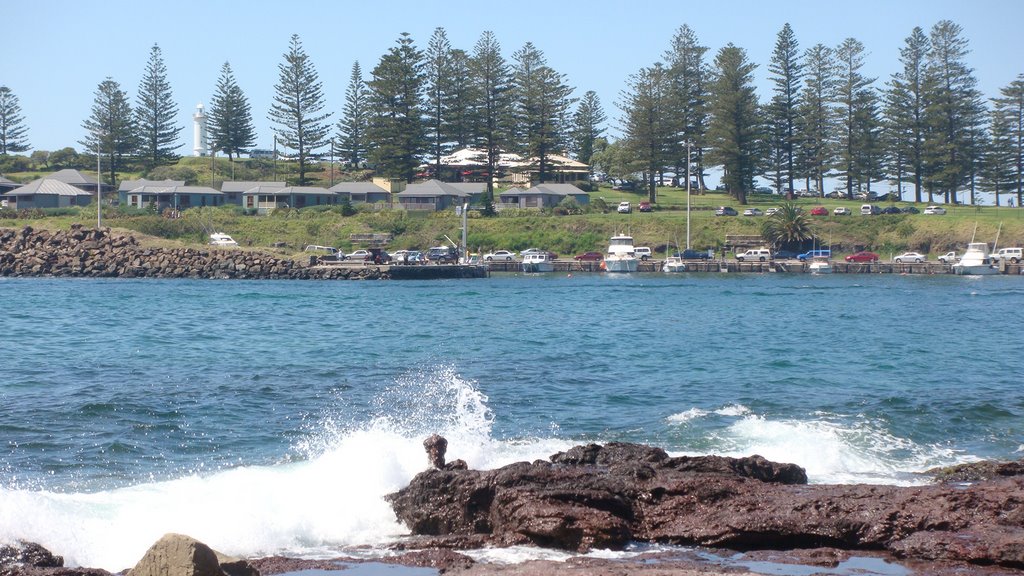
(100, 253)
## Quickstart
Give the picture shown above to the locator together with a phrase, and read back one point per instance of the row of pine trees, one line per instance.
(927, 128)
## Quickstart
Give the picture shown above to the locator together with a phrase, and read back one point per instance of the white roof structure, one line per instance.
(478, 157)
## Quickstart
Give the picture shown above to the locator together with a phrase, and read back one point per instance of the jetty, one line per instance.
(781, 266)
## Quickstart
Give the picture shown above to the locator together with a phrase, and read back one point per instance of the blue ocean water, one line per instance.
(271, 417)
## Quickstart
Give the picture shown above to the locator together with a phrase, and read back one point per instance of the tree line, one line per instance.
(927, 127)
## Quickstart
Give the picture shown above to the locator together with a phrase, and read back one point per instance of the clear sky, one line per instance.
(56, 53)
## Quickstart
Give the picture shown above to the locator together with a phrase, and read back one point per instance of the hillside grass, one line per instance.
(287, 231)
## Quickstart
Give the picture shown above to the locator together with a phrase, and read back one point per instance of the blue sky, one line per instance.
(56, 53)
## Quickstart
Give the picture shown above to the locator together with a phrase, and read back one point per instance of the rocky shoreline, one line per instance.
(100, 253)
(717, 515)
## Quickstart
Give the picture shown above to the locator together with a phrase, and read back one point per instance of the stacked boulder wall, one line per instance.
(98, 253)
(607, 496)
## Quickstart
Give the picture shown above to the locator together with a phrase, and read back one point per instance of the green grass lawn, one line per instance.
(568, 235)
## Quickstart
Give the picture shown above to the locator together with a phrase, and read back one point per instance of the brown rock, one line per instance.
(607, 496)
(180, 555)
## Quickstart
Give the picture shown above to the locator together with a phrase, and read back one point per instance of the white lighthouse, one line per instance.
(199, 131)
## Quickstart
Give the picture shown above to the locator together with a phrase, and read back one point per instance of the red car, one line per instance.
(819, 211)
(863, 256)
(645, 207)
(589, 257)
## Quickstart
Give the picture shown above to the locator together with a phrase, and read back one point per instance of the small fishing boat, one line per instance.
(538, 262)
(621, 255)
(221, 239)
(673, 264)
(820, 265)
(977, 261)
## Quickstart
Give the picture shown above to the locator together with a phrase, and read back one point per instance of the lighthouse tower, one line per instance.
(199, 131)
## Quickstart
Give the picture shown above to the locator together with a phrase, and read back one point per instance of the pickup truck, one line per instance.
(948, 258)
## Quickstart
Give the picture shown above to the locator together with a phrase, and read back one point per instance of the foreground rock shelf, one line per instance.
(608, 496)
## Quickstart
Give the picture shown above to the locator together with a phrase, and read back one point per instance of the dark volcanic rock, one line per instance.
(28, 554)
(978, 471)
(606, 496)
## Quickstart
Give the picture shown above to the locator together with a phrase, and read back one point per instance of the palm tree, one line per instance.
(789, 227)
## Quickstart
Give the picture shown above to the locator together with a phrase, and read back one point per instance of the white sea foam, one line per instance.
(835, 452)
(331, 500)
(733, 410)
(832, 450)
(688, 415)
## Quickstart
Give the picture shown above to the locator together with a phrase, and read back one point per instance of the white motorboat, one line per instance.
(221, 239)
(976, 261)
(673, 264)
(538, 262)
(820, 265)
(621, 255)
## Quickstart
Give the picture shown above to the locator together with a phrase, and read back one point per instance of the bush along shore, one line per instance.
(99, 253)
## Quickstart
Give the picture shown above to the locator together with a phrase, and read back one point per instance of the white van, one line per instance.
(869, 210)
(1014, 255)
(757, 254)
(642, 252)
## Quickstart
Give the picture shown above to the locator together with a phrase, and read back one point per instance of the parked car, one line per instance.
(625, 208)
(753, 212)
(891, 210)
(624, 185)
(642, 252)
(693, 255)
(505, 255)
(911, 210)
(862, 256)
(818, 253)
(949, 258)
(326, 253)
(528, 251)
(870, 210)
(755, 255)
(935, 210)
(772, 211)
(414, 257)
(589, 257)
(358, 255)
(910, 257)
(819, 211)
(1014, 255)
(443, 254)
(842, 211)
(726, 211)
(645, 206)
(378, 256)
(785, 254)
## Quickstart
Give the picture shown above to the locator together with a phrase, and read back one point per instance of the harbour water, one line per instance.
(268, 417)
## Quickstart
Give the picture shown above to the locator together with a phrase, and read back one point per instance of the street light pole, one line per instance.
(687, 194)
(99, 187)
